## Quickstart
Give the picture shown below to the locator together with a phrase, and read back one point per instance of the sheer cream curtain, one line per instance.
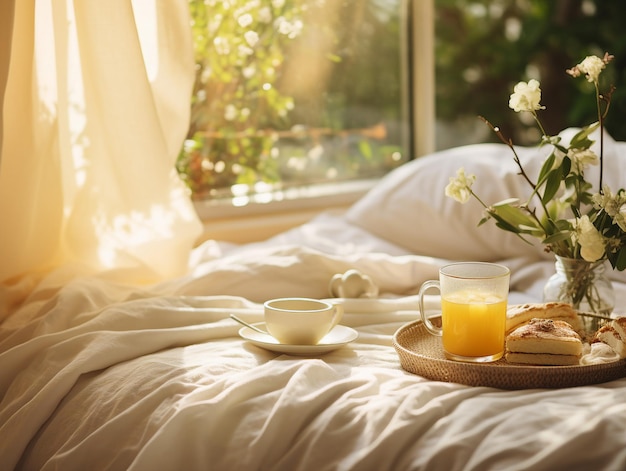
(95, 109)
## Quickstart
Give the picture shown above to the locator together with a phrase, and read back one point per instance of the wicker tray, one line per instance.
(421, 353)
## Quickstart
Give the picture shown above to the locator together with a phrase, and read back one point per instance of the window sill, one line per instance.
(225, 221)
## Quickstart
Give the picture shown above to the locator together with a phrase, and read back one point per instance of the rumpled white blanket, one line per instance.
(104, 376)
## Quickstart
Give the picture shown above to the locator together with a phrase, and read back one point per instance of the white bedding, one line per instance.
(97, 375)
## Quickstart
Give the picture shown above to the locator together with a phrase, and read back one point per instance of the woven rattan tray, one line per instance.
(421, 353)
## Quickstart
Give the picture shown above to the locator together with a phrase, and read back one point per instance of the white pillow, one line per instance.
(409, 208)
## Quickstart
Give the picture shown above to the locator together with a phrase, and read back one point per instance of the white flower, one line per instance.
(460, 186)
(613, 204)
(607, 201)
(244, 51)
(248, 72)
(289, 29)
(526, 96)
(222, 46)
(590, 240)
(581, 158)
(245, 20)
(251, 37)
(265, 15)
(230, 113)
(591, 66)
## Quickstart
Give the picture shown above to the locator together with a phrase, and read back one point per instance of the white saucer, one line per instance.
(336, 338)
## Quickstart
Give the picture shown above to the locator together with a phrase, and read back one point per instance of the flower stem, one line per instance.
(601, 121)
(543, 131)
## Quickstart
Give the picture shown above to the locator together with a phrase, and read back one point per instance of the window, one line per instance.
(293, 97)
(299, 98)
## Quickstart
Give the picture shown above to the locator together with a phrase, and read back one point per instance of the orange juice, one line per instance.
(473, 324)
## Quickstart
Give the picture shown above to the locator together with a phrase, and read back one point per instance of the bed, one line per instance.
(102, 375)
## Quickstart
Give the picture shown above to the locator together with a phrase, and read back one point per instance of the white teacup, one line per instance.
(301, 321)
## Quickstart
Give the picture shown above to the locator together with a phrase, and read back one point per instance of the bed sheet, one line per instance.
(97, 375)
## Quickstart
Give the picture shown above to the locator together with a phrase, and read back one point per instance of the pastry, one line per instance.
(520, 314)
(614, 335)
(619, 325)
(544, 342)
(542, 359)
(598, 353)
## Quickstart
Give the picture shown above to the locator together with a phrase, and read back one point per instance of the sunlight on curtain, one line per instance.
(96, 106)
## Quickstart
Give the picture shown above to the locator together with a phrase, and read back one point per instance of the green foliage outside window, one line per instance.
(286, 92)
(238, 54)
(484, 47)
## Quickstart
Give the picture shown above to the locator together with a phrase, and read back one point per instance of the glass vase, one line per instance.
(582, 284)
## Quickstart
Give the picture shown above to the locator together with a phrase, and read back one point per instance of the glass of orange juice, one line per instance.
(473, 310)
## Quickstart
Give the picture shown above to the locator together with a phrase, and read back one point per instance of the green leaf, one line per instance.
(532, 230)
(553, 182)
(366, 149)
(566, 166)
(513, 215)
(563, 225)
(502, 224)
(581, 139)
(334, 58)
(508, 201)
(557, 237)
(620, 261)
(546, 168)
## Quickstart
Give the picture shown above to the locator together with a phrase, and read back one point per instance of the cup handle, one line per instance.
(338, 308)
(433, 329)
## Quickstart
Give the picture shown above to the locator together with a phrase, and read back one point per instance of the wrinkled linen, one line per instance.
(98, 375)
